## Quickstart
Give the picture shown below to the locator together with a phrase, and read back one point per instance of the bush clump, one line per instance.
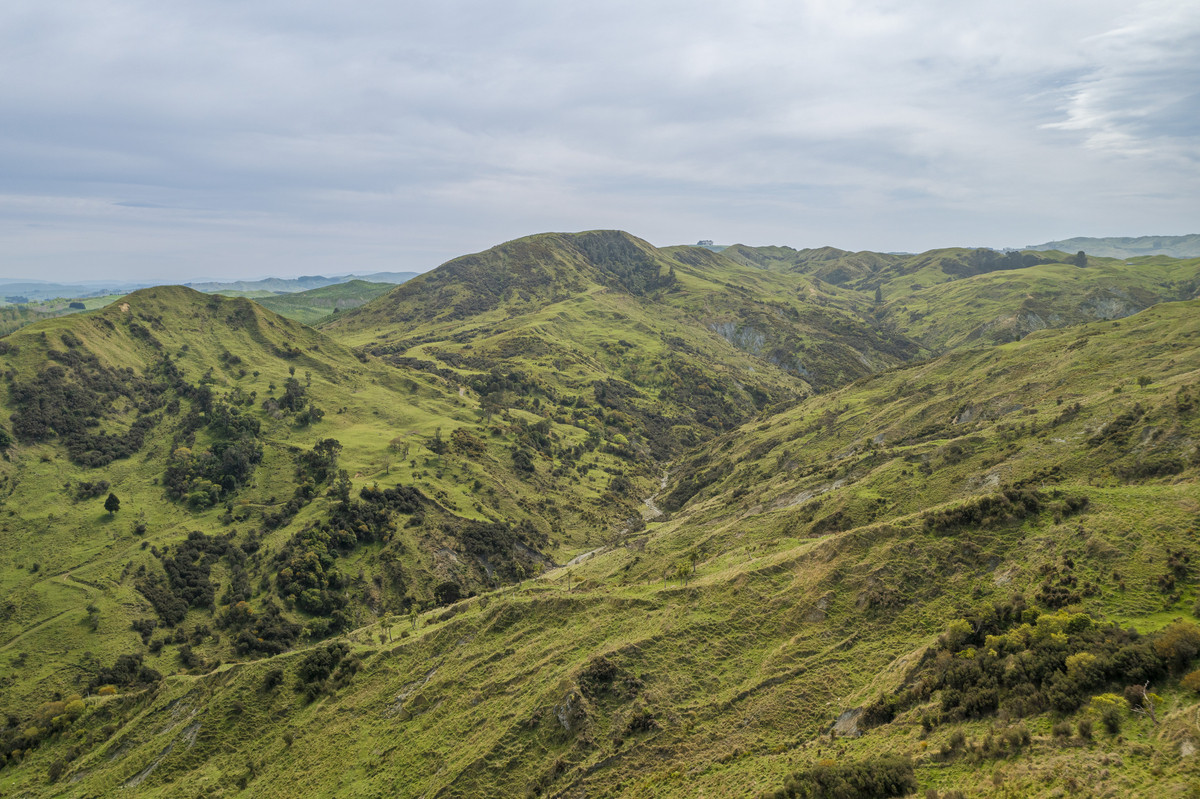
(1011, 658)
(885, 776)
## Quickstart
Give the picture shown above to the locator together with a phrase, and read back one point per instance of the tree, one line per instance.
(437, 444)
(399, 445)
(447, 592)
(112, 504)
(879, 295)
(1080, 259)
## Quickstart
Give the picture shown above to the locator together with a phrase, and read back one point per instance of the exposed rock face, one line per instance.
(846, 725)
(744, 337)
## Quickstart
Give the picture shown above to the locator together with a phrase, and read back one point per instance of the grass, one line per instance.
(795, 580)
(319, 304)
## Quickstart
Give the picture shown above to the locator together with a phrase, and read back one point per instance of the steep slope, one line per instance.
(256, 460)
(837, 584)
(678, 344)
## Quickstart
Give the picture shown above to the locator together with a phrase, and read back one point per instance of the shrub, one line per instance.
(128, 670)
(272, 678)
(1178, 643)
(885, 776)
(1085, 729)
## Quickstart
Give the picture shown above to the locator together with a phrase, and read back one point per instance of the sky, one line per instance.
(143, 140)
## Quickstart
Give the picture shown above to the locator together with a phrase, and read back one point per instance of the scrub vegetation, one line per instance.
(577, 516)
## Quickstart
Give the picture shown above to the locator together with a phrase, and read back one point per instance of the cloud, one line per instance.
(1141, 98)
(213, 135)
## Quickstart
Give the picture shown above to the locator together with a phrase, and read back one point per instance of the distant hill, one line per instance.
(315, 305)
(280, 285)
(22, 292)
(1125, 247)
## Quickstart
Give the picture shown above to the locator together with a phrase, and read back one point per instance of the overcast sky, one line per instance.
(175, 140)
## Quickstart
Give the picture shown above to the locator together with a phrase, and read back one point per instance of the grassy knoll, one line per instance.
(64, 553)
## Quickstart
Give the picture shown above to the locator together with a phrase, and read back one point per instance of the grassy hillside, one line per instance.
(335, 565)
(1004, 306)
(789, 588)
(947, 299)
(316, 304)
(671, 345)
(210, 420)
(14, 317)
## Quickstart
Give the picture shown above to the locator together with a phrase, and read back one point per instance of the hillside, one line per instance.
(712, 653)
(946, 299)
(14, 317)
(675, 345)
(577, 516)
(240, 446)
(314, 305)
(1128, 247)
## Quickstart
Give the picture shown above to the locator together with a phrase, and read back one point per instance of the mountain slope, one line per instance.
(681, 341)
(713, 653)
(854, 567)
(256, 460)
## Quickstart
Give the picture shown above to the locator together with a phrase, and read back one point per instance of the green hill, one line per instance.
(673, 345)
(278, 285)
(1128, 247)
(314, 305)
(862, 566)
(257, 460)
(946, 299)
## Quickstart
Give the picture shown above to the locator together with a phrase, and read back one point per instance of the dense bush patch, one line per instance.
(885, 776)
(1011, 658)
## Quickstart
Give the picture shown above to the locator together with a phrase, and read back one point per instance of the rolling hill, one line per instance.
(577, 516)
(1128, 247)
(314, 305)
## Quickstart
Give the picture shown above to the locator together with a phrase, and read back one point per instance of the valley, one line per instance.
(579, 516)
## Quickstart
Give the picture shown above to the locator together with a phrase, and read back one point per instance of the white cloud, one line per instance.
(406, 135)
